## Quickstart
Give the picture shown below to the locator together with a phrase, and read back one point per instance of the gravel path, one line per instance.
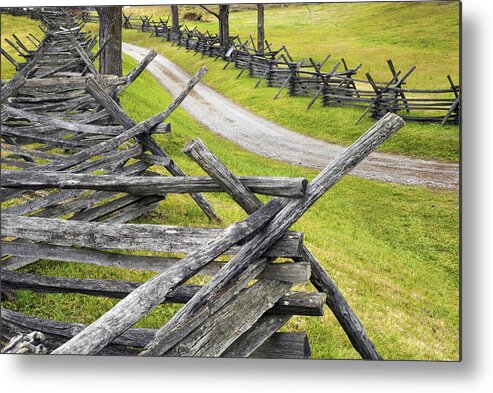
(268, 139)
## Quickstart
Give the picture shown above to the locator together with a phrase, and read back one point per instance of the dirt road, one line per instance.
(268, 139)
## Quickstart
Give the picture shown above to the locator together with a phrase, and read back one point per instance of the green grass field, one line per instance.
(392, 250)
(21, 27)
(422, 34)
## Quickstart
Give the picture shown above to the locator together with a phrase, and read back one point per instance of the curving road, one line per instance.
(263, 137)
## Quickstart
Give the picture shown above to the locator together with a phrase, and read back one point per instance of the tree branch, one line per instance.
(209, 11)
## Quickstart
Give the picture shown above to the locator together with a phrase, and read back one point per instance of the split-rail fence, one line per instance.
(336, 86)
(77, 170)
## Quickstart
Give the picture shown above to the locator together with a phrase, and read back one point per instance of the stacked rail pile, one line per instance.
(77, 169)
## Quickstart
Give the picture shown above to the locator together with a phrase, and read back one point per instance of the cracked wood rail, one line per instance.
(278, 214)
(148, 185)
(281, 345)
(351, 324)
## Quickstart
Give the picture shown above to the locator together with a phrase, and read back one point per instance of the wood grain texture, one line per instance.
(149, 185)
(227, 324)
(103, 236)
(280, 345)
(128, 311)
(290, 303)
(290, 272)
(206, 159)
(254, 337)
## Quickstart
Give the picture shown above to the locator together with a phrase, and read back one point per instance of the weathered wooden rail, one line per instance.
(77, 169)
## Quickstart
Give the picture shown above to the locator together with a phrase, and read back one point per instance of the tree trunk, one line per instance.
(224, 24)
(174, 17)
(260, 28)
(110, 28)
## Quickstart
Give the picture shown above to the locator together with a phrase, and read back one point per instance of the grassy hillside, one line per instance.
(392, 250)
(21, 27)
(421, 34)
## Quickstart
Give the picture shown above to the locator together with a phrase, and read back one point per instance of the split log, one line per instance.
(256, 336)
(214, 336)
(21, 44)
(54, 206)
(79, 205)
(107, 161)
(199, 152)
(112, 161)
(134, 74)
(281, 345)
(117, 206)
(9, 58)
(267, 325)
(11, 87)
(290, 272)
(76, 126)
(33, 153)
(34, 137)
(63, 67)
(218, 171)
(131, 212)
(80, 50)
(61, 85)
(342, 310)
(119, 114)
(284, 346)
(16, 163)
(116, 141)
(290, 303)
(162, 238)
(58, 197)
(121, 317)
(19, 52)
(148, 185)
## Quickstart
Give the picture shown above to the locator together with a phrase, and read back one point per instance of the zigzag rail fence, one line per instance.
(77, 169)
(337, 87)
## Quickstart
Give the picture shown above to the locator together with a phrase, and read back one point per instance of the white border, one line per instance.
(79, 374)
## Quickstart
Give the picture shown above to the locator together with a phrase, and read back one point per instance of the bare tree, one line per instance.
(110, 29)
(174, 17)
(260, 28)
(223, 18)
